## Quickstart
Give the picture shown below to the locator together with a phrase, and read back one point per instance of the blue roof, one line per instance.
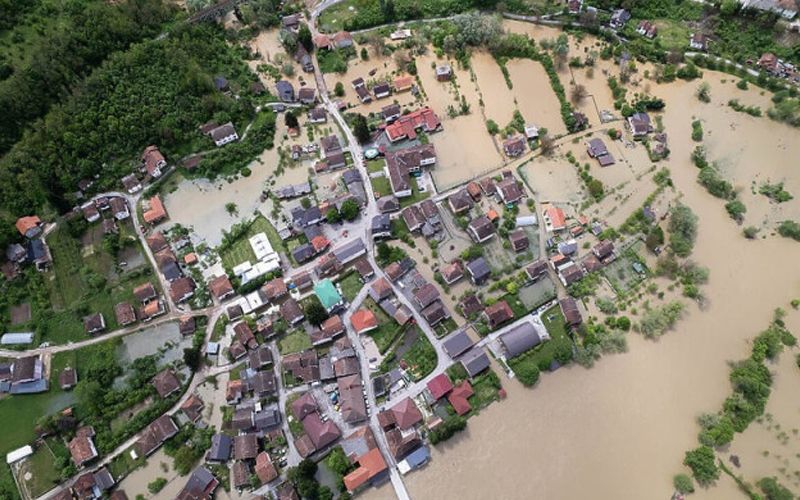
(30, 387)
(327, 294)
(418, 457)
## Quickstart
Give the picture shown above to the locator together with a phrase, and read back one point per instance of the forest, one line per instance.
(157, 92)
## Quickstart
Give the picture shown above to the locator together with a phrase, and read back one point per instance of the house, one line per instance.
(260, 358)
(567, 247)
(328, 295)
(240, 472)
(27, 376)
(234, 390)
(201, 486)
(291, 22)
(382, 90)
(159, 431)
(515, 146)
(639, 124)
(412, 159)
(497, 314)
(351, 399)
(396, 270)
(439, 386)
(285, 91)
(457, 344)
(509, 191)
(262, 384)
(697, 41)
(481, 229)
(603, 250)
(82, 447)
(320, 434)
(153, 161)
(267, 418)
(265, 471)
(460, 202)
(220, 451)
(406, 126)
(536, 270)
(398, 180)
(574, 6)
(520, 339)
(303, 252)
(388, 203)
(596, 148)
(125, 313)
(131, 184)
(475, 361)
(646, 28)
(244, 334)
(318, 115)
(479, 271)
(307, 95)
(452, 273)
(182, 289)
(391, 112)
(90, 212)
(39, 254)
(187, 326)
(156, 242)
(29, 226)
(94, 323)
(444, 73)
(554, 219)
(291, 312)
(245, 447)
(329, 329)
(363, 321)
(380, 290)
(110, 226)
(68, 378)
(274, 289)
(224, 134)
(570, 274)
(570, 310)
(381, 226)
(119, 208)
(322, 41)
(403, 83)
(364, 270)
(302, 280)
(144, 292)
(193, 408)
(330, 143)
(221, 287)
(470, 305)
(413, 218)
(519, 240)
(426, 295)
(349, 251)
(619, 18)
(343, 39)
(155, 212)
(531, 132)
(166, 383)
(458, 398)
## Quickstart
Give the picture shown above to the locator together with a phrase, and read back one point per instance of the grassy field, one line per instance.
(295, 426)
(673, 34)
(486, 385)
(375, 165)
(41, 467)
(241, 250)
(351, 285)
(445, 327)
(296, 341)
(621, 274)
(542, 355)
(333, 19)
(123, 464)
(381, 186)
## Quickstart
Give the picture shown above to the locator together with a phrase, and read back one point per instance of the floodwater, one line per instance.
(620, 429)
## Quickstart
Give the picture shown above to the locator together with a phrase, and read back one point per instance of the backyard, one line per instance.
(240, 250)
(351, 285)
(420, 358)
(295, 341)
(621, 273)
(39, 473)
(388, 330)
(559, 345)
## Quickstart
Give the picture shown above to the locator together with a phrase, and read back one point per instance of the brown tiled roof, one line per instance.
(181, 288)
(241, 473)
(291, 311)
(144, 292)
(406, 414)
(346, 366)
(302, 365)
(245, 447)
(233, 390)
(245, 335)
(125, 313)
(498, 313)
(304, 405)
(82, 450)
(67, 378)
(221, 286)
(166, 383)
(187, 325)
(264, 469)
(382, 289)
(399, 444)
(274, 289)
(193, 408)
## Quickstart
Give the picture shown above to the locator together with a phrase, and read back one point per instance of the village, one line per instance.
(399, 267)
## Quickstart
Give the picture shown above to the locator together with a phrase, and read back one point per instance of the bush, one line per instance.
(775, 192)
(655, 322)
(156, 485)
(697, 131)
(699, 157)
(528, 374)
(338, 90)
(774, 490)
(742, 85)
(448, 429)
(789, 229)
(736, 209)
(711, 179)
(683, 230)
(683, 483)
(702, 463)
(492, 127)
(750, 232)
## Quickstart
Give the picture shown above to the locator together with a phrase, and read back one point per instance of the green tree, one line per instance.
(364, 54)
(315, 312)
(157, 485)
(683, 483)
(231, 208)
(683, 230)
(361, 129)
(305, 202)
(349, 210)
(702, 462)
(291, 119)
(333, 215)
(527, 373)
(774, 490)
(596, 189)
(193, 358)
(339, 89)
(305, 38)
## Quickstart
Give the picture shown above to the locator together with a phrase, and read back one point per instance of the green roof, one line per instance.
(327, 293)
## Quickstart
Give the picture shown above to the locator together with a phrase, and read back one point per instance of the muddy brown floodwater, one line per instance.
(620, 429)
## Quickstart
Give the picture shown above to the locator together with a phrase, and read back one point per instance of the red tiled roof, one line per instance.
(406, 414)
(156, 212)
(363, 321)
(370, 465)
(24, 224)
(439, 386)
(458, 398)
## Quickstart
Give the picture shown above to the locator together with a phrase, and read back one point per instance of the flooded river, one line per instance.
(620, 429)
